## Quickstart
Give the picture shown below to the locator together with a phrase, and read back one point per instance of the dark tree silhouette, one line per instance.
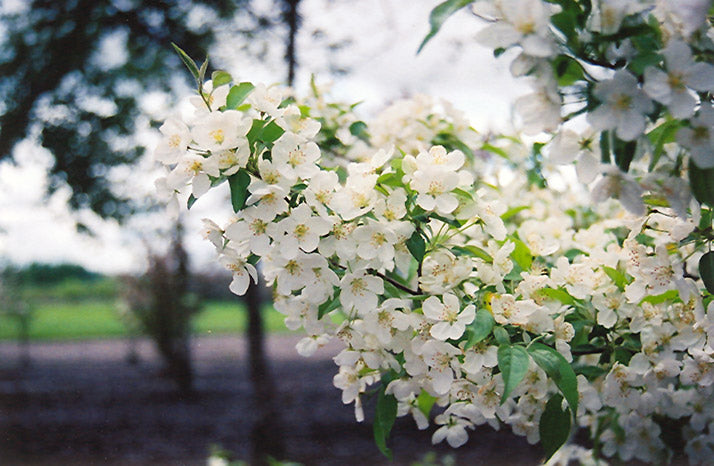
(72, 73)
(291, 18)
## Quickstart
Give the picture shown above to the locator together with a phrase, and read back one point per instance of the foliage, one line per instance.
(50, 274)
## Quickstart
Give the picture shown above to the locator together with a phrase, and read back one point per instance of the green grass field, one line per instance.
(100, 319)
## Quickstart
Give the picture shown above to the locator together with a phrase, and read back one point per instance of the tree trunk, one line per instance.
(292, 19)
(24, 341)
(266, 435)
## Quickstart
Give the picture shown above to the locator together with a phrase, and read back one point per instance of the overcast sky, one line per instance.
(382, 37)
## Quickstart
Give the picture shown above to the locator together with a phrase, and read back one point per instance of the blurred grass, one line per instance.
(99, 318)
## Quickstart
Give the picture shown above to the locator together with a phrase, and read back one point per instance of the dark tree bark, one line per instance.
(292, 20)
(24, 341)
(266, 434)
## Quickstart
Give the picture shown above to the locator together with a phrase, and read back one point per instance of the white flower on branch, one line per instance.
(623, 106)
(217, 131)
(521, 22)
(175, 142)
(699, 137)
(673, 87)
(451, 320)
(621, 186)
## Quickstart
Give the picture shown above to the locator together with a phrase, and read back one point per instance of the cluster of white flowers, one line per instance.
(639, 70)
(494, 301)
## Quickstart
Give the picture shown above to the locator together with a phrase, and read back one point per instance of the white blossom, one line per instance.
(623, 106)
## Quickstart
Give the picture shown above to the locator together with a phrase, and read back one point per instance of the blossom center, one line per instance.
(292, 267)
(435, 188)
(700, 133)
(322, 196)
(360, 200)
(675, 81)
(195, 167)
(450, 315)
(526, 28)
(358, 286)
(378, 239)
(301, 230)
(258, 227)
(296, 157)
(385, 319)
(623, 102)
(218, 136)
(271, 177)
(175, 140)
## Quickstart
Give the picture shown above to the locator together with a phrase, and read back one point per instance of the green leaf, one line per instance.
(557, 294)
(501, 335)
(521, 254)
(271, 132)
(660, 298)
(254, 132)
(191, 201)
(239, 189)
(495, 150)
(440, 14)
(605, 156)
(190, 64)
(390, 179)
(417, 246)
(624, 153)
(463, 194)
(449, 221)
(567, 70)
(425, 402)
(617, 277)
(513, 363)
(566, 21)
(661, 135)
(202, 73)
(219, 78)
(706, 271)
(474, 251)
(237, 95)
(359, 129)
(451, 142)
(643, 60)
(559, 370)
(571, 254)
(481, 327)
(622, 355)
(702, 183)
(384, 420)
(328, 306)
(591, 372)
(513, 211)
(554, 426)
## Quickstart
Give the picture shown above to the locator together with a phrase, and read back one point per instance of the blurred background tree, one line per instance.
(73, 73)
(17, 306)
(163, 306)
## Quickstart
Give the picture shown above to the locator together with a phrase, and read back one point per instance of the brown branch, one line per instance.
(396, 284)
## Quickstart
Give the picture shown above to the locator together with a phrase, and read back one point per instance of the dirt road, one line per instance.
(81, 403)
